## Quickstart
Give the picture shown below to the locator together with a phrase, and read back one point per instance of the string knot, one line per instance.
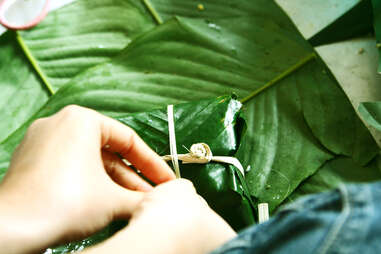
(202, 152)
(199, 153)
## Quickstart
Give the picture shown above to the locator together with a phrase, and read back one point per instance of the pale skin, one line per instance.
(65, 183)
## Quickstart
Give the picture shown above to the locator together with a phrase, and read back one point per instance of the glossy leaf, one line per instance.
(356, 22)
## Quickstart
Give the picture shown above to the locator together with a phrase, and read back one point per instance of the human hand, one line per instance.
(171, 219)
(60, 184)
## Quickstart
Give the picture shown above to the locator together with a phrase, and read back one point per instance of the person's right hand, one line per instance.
(172, 218)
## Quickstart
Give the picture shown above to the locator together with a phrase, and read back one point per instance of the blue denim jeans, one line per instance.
(346, 220)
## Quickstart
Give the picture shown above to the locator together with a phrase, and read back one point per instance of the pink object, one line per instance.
(28, 25)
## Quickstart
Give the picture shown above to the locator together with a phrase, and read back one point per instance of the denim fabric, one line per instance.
(346, 220)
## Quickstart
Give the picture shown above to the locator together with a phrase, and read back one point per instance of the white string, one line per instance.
(201, 153)
(172, 141)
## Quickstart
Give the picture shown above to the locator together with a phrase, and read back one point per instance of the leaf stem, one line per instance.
(153, 12)
(280, 77)
(34, 63)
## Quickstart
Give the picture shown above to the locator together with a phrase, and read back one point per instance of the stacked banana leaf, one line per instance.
(126, 56)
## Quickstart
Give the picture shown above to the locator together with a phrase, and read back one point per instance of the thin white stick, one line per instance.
(263, 212)
(172, 141)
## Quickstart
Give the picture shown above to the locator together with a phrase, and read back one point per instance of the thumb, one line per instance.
(124, 202)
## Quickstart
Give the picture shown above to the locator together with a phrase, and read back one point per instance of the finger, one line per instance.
(122, 174)
(125, 141)
(124, 202)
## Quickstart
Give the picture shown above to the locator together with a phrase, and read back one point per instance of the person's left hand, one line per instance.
(62, 182)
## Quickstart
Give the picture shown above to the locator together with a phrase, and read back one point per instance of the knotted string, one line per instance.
(199, 153)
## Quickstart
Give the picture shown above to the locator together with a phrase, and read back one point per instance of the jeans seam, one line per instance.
(338, 224)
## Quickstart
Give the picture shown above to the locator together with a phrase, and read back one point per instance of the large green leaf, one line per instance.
(377, 27)
(291, 136)
(357, 21)
(21, 91)
(83, 34)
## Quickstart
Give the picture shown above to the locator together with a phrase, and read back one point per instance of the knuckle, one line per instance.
(36, 124)
(72, 116)
(77, 114)
(72, 111)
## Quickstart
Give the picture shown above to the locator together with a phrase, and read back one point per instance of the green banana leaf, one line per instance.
(377, 27)
(216, 122)
(336, 172)
(356, 22)
(294, 127)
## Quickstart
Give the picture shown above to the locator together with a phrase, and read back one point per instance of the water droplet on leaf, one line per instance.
(214, 26)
